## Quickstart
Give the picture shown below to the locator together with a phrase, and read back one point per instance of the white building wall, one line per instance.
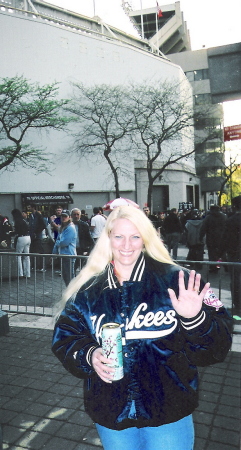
(45, 53)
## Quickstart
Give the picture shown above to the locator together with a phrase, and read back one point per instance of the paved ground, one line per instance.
(42, 405)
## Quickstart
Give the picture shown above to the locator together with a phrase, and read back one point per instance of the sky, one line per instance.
(210, 22)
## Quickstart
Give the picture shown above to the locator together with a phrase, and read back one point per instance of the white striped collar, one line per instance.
(135, 276)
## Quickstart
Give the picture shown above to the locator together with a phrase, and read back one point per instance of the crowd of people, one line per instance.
(68, 232)
(170, 320)
(74, 233)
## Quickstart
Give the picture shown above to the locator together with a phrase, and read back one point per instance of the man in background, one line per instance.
(231, 244)
(173, 230)
(213, 227)
(36, 227)
(97, 223)
(84, 242)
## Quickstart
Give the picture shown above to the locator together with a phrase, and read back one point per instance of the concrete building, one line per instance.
(51, 44)
(215, 77)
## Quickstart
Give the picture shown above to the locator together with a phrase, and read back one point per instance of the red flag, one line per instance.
(159, 11)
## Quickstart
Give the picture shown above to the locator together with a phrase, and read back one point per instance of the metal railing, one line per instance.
(39, 293)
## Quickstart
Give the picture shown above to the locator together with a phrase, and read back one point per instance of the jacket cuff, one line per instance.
(89, 354)
(193, 322)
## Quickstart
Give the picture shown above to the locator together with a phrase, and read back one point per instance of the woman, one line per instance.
(21, 230)
(171, 322)
(66, 245)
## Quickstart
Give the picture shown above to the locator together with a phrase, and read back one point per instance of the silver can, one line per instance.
(112, 348)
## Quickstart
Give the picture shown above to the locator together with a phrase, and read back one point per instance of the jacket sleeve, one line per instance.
(85, 239)
(208, 336)
(67, 236)
(73, 343)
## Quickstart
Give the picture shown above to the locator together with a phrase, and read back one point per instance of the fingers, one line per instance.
(193, 283)
(99, 363)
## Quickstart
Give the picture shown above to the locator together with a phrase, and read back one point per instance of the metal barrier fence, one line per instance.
(39, 293)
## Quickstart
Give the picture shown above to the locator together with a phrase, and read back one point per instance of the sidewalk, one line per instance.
(42, 404)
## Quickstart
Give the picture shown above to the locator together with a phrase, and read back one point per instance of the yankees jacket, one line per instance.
(161, 350)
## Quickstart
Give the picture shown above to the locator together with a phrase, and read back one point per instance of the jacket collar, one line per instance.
(135, 276)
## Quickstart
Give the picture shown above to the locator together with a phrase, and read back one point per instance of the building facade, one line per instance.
(215, 77)
(50, 44)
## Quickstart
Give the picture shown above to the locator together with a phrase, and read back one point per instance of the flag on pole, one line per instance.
(159, 11)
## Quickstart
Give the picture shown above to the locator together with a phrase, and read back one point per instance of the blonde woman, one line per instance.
(170, 322)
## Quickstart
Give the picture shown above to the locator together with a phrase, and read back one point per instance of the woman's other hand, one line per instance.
(99, 362)
(189, 302)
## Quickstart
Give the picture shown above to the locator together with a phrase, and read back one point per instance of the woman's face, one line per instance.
(64, 219)
(126, 243)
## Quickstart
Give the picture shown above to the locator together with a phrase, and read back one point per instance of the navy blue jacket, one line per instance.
(161, 350)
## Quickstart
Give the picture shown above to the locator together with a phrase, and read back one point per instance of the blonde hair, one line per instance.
(101, 255)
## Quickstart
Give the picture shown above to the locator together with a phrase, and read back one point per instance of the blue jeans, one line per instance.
(68, 269)
(173, 436)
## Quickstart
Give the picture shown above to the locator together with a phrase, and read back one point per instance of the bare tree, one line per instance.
(163, 119)
(227, 176)
(25, 106)
(154, 120)
(102, 116)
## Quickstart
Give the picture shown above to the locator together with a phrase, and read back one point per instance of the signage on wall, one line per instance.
(232, 133)
(185, 205)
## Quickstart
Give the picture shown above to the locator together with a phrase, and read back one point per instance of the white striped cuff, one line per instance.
(89, 354)
(194, 323)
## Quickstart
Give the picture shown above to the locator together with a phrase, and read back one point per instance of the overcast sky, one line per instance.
(210, 22)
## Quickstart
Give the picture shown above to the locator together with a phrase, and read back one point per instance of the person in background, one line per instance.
(66, 245)
(170, 321)
(84, 241)
(101, 211)
(152, 217)
(173, 230)
(213, 228)
(36, 227)
(5, 232)
(195, 246)
(25, 215)
(160, 222)
(231, 245)
(97, 223)
(55, 221)
(23, 241)
(84, 216)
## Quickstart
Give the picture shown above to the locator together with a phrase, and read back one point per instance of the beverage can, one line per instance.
(112, 348)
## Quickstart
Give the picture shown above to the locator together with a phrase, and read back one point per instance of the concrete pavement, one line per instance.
(42, 404)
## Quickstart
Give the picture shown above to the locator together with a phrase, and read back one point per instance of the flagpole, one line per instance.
(157, 32)
(94, 7)
(142, 27)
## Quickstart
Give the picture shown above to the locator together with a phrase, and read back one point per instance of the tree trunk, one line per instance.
(115, 174)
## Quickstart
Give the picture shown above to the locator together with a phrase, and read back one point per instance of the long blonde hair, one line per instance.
(101, 255)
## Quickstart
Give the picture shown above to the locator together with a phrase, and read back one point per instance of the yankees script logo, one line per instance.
(135, 328)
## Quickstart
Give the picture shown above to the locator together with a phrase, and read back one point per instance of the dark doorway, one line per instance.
(189, 190)
(160, 198)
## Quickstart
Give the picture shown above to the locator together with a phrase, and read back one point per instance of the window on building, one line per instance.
(210, 147)
(190, 76)
(202, 99)
(212, 173)
(201, 74)
(209, 123)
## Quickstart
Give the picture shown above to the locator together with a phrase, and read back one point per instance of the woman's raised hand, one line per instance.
(189, 302)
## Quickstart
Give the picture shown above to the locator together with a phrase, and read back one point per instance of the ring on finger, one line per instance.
(196, 290)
